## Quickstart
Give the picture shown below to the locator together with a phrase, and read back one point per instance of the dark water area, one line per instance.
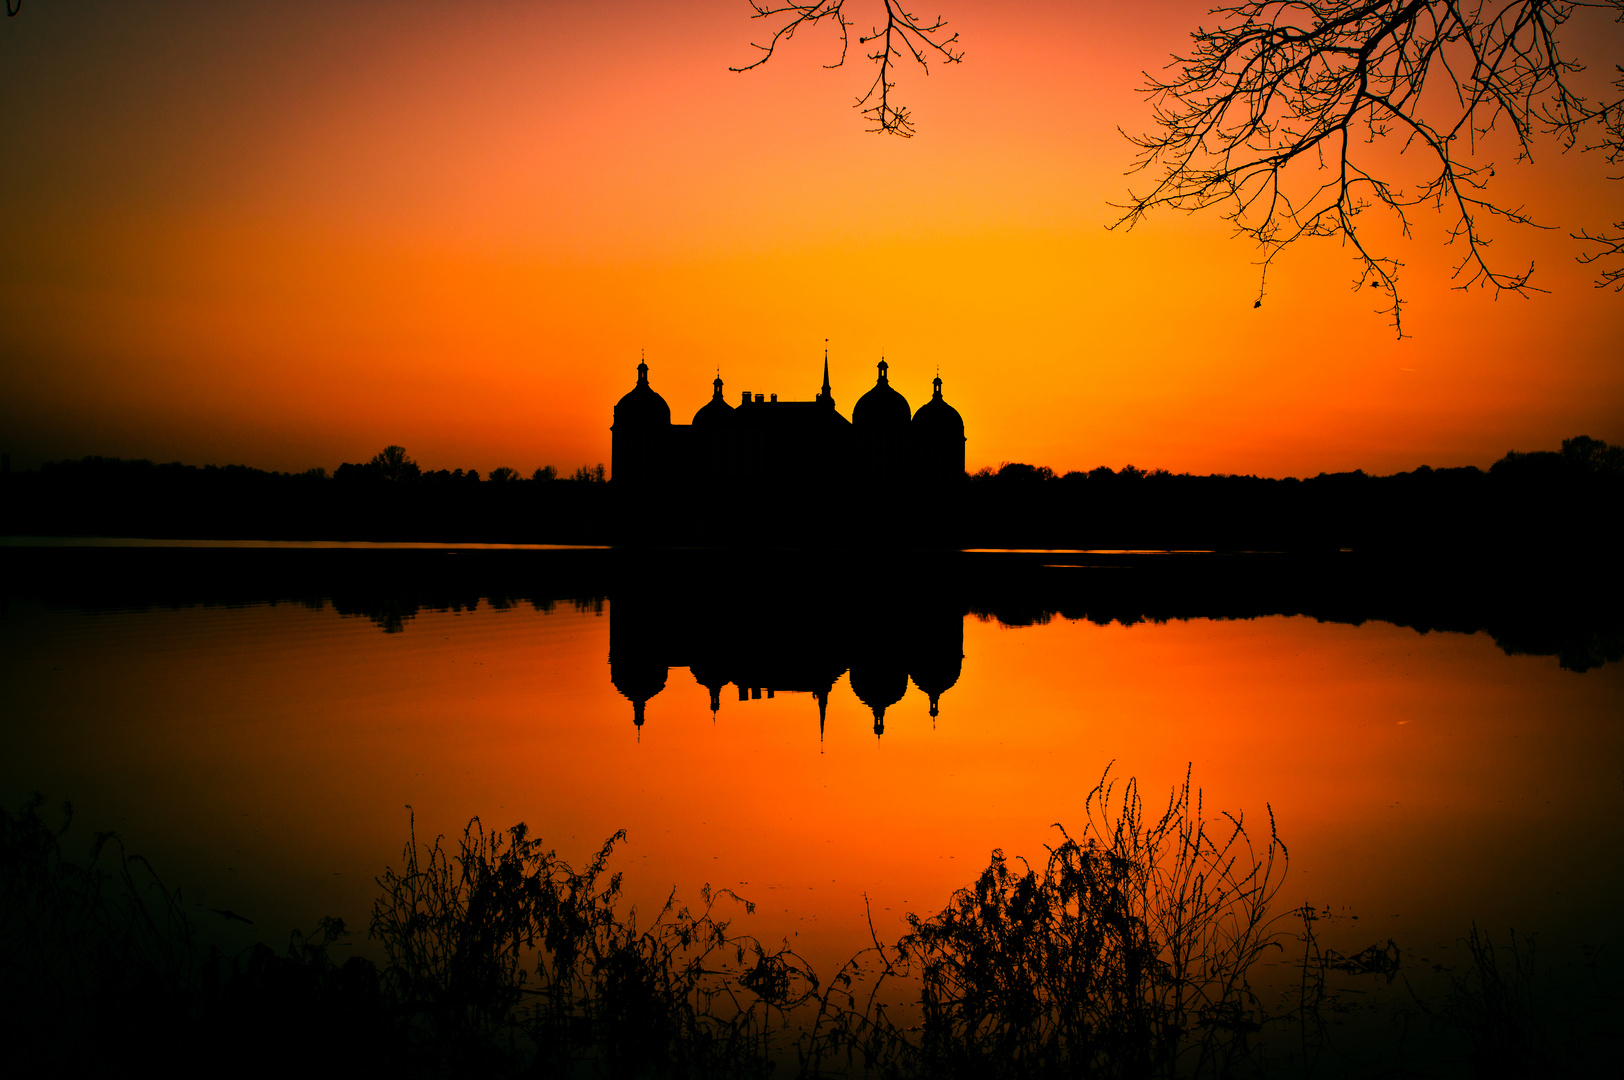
(847, 739)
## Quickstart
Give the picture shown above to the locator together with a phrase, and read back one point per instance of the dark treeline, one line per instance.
(1546, 500)
(387, 498)
(1565, 502)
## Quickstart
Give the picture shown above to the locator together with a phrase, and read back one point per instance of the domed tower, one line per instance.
(640, 435)
(937, 434)
(880, 423)
(713, 437)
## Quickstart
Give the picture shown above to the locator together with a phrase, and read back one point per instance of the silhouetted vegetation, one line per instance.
(1541, 503)
(1277, 116)
(1526, 502)
(1128, 955)
(1132, 952)
(903, 37)
(389, 497)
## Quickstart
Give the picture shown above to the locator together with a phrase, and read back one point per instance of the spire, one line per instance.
(938, 384)
(826, 396)
(717, 395)
(884, 367)
(642, 368)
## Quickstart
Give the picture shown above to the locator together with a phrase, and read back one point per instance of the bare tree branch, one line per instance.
(905, 36)
(1274, 116)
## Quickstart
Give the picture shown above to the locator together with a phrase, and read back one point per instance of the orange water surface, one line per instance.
(264, 758)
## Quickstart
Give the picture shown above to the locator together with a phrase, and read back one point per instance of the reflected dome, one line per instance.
(879, 687)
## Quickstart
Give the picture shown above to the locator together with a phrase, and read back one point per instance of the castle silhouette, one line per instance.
(883, 459)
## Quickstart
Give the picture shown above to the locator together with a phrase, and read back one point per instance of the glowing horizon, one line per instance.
(286, 237)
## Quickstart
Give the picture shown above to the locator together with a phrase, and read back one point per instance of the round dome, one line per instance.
(881, 406)
(715, 411)
(642, 406)
(936, 416)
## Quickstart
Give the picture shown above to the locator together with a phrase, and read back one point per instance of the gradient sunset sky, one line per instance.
(287, 234)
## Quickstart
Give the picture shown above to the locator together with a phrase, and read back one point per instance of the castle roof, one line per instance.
(716, 410)
(937, 416)
(881, 406)
(642, 407)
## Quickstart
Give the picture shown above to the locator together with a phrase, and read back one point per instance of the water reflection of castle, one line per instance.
(760, 644)
(885, 450)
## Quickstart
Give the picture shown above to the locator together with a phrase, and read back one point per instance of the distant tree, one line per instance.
(394, 465)
(1592, 455)
(472, 476)
(350, 472)
(590, 474)
(546, 472)
(1018, 472)
(502, 474)
(1280, 116)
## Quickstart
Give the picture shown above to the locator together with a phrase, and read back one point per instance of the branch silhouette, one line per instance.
(1273, 118)
(904, 36)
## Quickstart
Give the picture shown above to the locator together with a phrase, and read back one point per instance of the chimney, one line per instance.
(746, 400)
(760, 398)
(775, 397)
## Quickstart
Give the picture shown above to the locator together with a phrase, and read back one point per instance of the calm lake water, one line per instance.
(263, 756)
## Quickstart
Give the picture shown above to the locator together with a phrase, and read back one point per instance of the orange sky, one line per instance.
(287, 234)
